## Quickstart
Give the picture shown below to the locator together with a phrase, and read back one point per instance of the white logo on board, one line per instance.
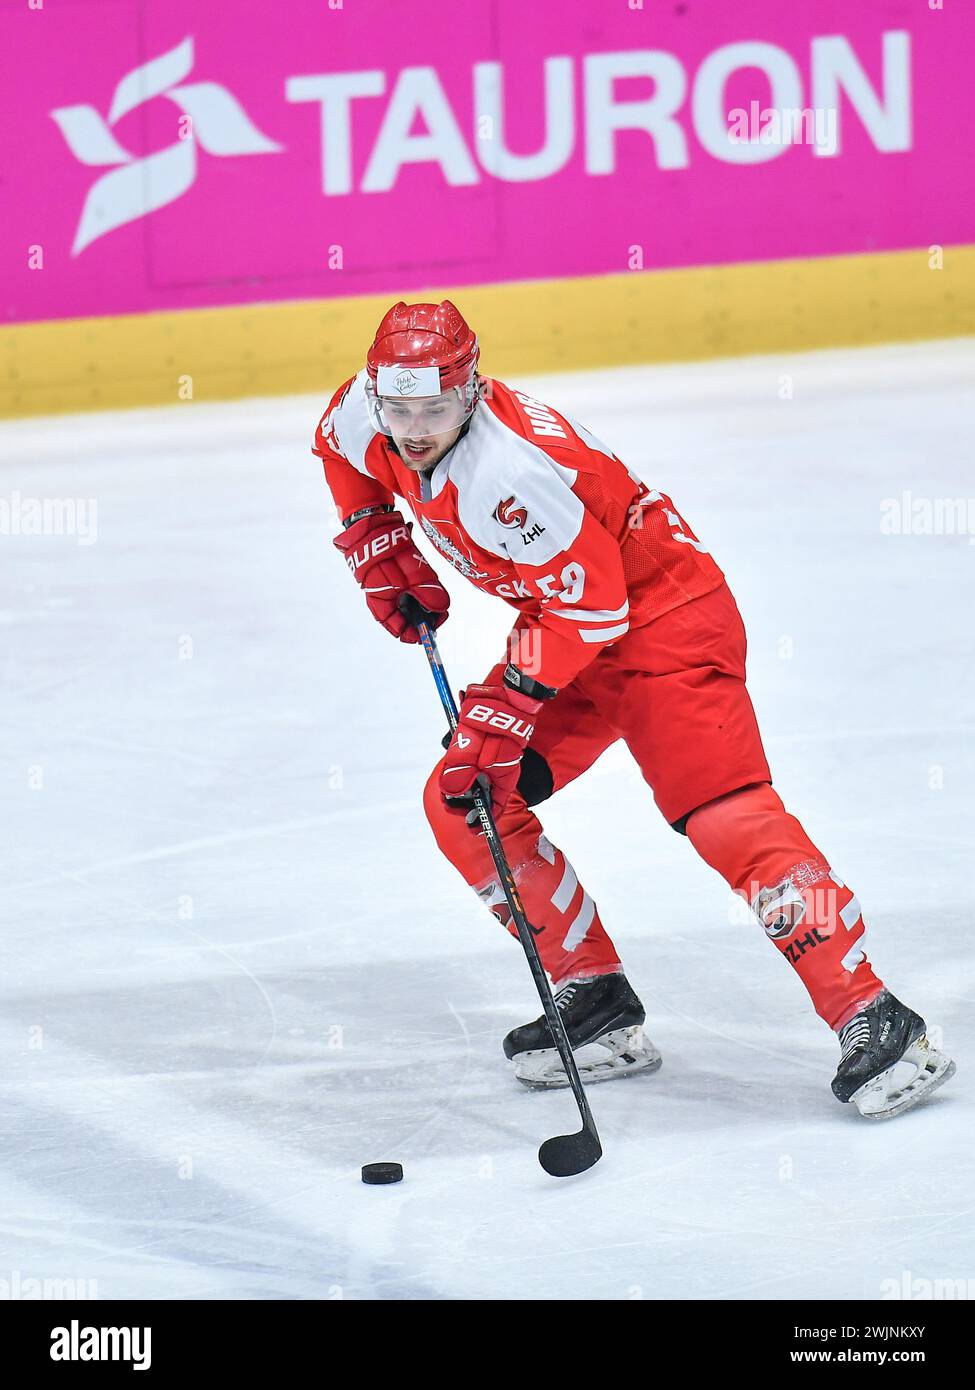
(135, 187)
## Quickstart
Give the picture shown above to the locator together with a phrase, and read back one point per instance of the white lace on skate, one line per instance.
(620, 1052)
(855, 1035)
(921, 1070)
(565, 995)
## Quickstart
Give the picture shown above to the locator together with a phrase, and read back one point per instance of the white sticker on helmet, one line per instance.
(408, 381)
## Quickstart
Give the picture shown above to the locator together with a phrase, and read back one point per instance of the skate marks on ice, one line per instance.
(213, 1174)
(223, 840)
(717, 1180)
(229, 1177)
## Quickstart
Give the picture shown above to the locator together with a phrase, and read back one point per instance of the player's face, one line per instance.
(424, 429)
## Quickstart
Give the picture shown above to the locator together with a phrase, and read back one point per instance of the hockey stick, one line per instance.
(564, 1154)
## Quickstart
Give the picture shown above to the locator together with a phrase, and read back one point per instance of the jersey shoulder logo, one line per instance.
(508, 513)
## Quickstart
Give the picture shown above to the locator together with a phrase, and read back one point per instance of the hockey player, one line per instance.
(625, 629)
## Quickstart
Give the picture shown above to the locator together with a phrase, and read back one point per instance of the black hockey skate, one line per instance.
(603, 1019)
(887, 1063)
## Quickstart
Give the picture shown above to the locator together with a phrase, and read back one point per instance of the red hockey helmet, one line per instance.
(423, 339)
(422, 352)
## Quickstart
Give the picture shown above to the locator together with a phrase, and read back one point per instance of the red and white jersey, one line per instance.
(530, 506)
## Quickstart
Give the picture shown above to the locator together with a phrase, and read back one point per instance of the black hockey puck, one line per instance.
(376, 1173)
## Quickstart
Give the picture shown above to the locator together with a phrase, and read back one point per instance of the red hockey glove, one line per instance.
(380, 553)
(493, 731)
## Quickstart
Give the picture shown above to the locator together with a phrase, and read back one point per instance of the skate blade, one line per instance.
(920, 1071)
(622, 1052)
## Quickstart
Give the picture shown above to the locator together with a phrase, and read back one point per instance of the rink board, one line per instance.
(536, 326)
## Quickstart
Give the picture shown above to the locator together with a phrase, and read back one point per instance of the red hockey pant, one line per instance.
(674, 691)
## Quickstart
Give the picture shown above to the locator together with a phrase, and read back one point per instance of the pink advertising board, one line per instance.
(167, 154)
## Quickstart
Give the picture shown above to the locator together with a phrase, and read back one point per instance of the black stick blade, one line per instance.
(566, 1154)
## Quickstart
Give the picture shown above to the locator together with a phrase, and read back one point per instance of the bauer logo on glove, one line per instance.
(492, 734)
(387, 566)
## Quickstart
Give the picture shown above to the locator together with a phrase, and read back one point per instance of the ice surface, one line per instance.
(235, 968)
